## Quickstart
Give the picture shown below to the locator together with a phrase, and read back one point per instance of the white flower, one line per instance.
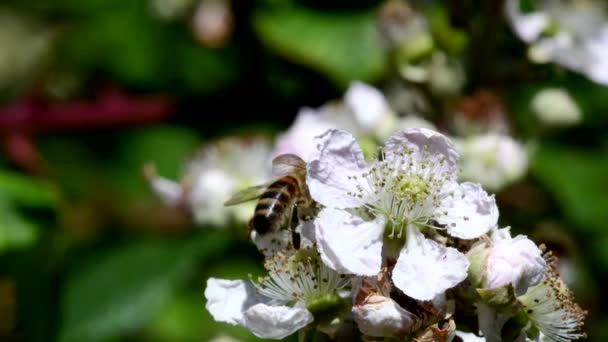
(218, 171)
(547, 310)
(554, 106)
(573, 34)
(517, 261)
(378, 315)
(382, 316)
(170, 192)
(409, 188)
(212, 22)
(551, 308)
(494, 160)
(364, 111)
(299, 138)
(279, 304)
(368, 105)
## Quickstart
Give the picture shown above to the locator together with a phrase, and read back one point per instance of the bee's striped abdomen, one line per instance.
(275, 204)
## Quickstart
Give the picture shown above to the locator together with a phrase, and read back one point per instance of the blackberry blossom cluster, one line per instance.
(399, 249)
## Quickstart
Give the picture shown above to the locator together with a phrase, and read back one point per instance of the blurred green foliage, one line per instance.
(580, 187)
(343, 46)
(129, 284)
(18, 193)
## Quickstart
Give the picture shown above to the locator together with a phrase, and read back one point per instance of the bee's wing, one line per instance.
(286, 164)
(246, 195)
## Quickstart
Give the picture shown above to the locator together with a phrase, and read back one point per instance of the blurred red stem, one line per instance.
(112, 107)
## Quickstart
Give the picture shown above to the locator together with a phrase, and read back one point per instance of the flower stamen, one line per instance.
(298, 277)
(550, 306)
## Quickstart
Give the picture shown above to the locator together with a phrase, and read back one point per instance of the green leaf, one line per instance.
(344, 46)
(179, 320)
(15, 230)
(121, 289)
(25, 190)
(577, 179)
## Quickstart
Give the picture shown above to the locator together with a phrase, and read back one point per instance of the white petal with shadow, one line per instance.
(338, 156)
(276, 322)
(349, 244)
(426, 269)
(468, 212)
(228, 299)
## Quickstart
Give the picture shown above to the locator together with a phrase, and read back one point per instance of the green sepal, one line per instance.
(499, 298)
(477, 264)
(369, 146)
(326, 307)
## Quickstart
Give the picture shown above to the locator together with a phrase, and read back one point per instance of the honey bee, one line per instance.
(283, 201)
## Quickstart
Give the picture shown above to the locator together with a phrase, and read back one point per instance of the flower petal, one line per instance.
(338, 156)
(517, 261)
(367, 103)
(468, 211)
(170, 192)
(381, 316)
(347, 243)
(490, 322)
(208, 190)
(300, 137)
(425, 268)
(528, 26)
(228, 299)
(276, 322)
(423, 139)
(494, 160)
(307, 233)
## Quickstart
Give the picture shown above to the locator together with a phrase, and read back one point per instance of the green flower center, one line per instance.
(412, 187)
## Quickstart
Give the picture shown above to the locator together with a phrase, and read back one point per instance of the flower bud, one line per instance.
(505, 262)
(554, 106)
(494, 160)
(516, 261)
(382, 316)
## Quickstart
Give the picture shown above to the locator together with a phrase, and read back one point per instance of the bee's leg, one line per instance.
(308, 209)
(295, 220)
